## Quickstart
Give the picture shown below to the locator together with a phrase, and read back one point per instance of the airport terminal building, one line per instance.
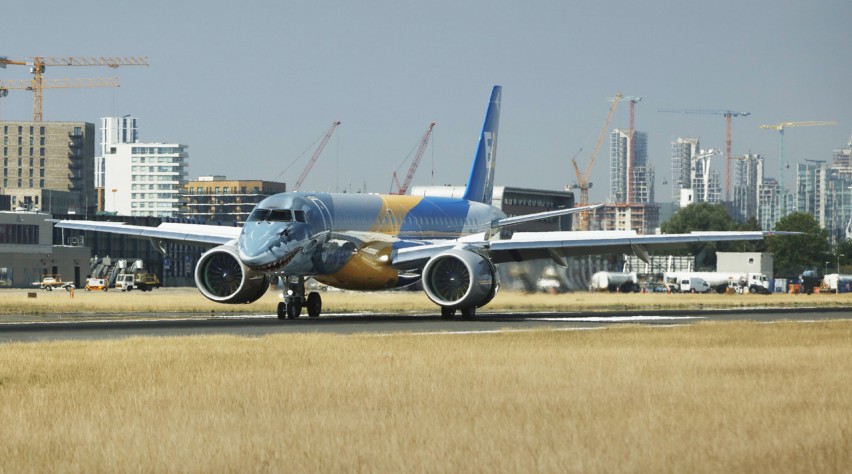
(27, 252)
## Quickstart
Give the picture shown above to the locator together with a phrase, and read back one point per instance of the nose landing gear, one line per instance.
(294, 298)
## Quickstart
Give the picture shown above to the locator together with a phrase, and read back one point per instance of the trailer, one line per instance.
(614, 281)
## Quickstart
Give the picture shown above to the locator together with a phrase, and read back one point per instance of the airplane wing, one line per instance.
(188, 233)
(559, 245)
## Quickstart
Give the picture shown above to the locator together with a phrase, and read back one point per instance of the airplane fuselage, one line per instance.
(346, 240)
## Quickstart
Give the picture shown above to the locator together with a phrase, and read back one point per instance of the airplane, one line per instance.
(372, 242)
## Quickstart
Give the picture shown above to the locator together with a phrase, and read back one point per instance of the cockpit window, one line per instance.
(280, 215)
(274, 215)
(300, 216)
(259, 215)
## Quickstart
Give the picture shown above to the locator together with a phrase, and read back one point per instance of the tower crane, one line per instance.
(403, 188)
(727, 114)
(583, 178)
(630, 184)
(316, 155)
(25, 84)
(779, 127)
(38, 64)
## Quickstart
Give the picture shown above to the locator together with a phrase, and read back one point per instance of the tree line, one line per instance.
(793, 254)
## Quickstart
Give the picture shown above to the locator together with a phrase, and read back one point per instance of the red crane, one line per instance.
(403, 188)
(316, 155)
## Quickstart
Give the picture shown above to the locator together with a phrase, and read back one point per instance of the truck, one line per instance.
(136, 281)
(721, 281)
(836, 283)
(693, 285)
(49, 282)
(614, 281)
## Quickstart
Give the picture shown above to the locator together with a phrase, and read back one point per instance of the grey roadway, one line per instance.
(121, 326)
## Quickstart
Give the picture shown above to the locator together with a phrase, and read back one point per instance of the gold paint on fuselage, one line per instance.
(393, 212)
(368, 269)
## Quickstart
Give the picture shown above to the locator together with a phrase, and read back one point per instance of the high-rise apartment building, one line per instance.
(683, 149)
(114, 130)
(145, 179)
(693, 178)
(769, 198)
(824, 190)
(631, 178)
(49, 166)
(748, 177)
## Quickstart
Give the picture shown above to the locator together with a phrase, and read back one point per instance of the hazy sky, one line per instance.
(249, 86)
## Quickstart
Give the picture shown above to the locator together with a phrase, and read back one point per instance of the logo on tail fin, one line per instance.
(481, 181)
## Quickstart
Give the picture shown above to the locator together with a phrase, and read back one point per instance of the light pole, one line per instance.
(838, 262)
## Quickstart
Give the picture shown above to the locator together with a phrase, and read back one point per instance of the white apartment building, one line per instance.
(145, 179)
(113, 130)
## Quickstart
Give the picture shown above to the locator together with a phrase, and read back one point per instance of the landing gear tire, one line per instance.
(468, 313)
(314, 304)
(282, 310)
(447, 313)
(294, 309)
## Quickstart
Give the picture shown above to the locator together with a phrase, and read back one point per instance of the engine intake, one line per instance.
(460, 278)
(221, 277)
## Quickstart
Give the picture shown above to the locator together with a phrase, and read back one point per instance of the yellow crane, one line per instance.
(583, 178)
(38, 65)
(779, 127)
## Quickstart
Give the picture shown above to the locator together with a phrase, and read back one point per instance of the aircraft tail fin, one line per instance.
(481, 182)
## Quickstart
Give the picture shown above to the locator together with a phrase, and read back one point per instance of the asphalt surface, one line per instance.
(123, 326)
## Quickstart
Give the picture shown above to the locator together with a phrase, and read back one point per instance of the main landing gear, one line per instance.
(295, 300)
(449, 313)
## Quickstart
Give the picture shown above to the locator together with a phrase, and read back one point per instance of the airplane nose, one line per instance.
(266, 246)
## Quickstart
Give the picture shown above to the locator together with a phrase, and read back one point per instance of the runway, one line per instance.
(123, 326)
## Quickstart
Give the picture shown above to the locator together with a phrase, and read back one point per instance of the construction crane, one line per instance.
(316, 155)
(727, 114)
(632, 152)
(26, 84)
(403, 188)
(39, 64)
(782, 163)
(583, 178)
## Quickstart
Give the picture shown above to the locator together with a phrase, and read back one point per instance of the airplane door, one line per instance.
(327, 222)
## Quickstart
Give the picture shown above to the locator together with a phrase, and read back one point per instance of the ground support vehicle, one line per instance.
(136, 281)
(96, 284)
(51, 282)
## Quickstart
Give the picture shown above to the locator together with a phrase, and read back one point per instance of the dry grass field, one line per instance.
(713, 397)
(188, 300)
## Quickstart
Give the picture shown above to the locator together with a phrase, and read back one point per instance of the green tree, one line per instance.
(701, 217)
(796, 253)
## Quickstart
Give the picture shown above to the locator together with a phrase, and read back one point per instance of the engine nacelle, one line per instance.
(460, 278)
(221, 276)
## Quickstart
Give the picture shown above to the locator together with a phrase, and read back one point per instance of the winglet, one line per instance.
(481, 182)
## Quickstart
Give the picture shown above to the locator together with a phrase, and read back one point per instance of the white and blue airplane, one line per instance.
(375, 242)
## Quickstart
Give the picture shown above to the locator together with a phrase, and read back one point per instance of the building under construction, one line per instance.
(631, 186)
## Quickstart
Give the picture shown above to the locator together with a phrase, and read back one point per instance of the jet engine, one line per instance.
(460, 278)
(221, 276)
